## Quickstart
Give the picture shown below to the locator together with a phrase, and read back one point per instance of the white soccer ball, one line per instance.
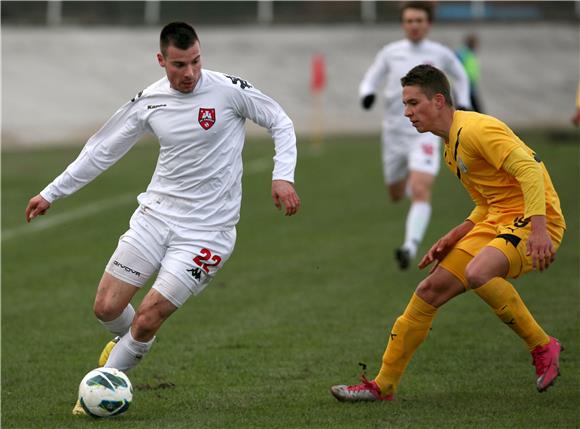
(105, 392)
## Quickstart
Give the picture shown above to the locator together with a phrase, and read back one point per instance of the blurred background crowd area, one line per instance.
(135, 13)
(68, 65)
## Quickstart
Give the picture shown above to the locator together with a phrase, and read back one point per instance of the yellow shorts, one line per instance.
(506, 232)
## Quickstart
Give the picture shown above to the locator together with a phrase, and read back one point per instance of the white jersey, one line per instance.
(394, 61)
(197, 180)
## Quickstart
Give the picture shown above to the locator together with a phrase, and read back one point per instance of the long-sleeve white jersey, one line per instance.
(394, 61)
(197, 180)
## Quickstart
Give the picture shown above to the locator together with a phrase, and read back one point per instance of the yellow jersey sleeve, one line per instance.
(529, 174)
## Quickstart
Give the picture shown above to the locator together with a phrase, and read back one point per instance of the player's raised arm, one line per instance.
(264, 111)
(527, 171)
(102, 150)
(372, 79)
(460, 81)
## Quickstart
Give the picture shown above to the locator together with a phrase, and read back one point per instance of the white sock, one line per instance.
(120, 326)
(127, 353)
(416, 225)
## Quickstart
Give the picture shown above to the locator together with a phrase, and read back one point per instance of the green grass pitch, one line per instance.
(300, 303)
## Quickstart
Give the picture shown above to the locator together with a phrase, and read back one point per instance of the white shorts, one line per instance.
(187, 260)
(402, 153)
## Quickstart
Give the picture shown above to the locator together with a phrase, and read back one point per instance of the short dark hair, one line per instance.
(179, 34)
(425, 6)
(431, 80)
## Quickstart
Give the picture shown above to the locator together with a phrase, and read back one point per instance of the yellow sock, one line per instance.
(407, 334)
(505, 301)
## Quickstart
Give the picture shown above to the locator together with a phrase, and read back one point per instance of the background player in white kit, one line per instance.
(410, 160)
(184, 226)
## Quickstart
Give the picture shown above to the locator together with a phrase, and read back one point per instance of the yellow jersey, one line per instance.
(477, 147)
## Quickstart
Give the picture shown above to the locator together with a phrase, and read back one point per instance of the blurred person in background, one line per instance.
(410, 160)
(516, 227)
(185, 226)
(467, 54)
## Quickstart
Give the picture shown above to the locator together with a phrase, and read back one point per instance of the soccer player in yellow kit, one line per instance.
(516, 227)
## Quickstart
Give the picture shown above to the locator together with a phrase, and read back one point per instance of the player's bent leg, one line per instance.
(485, 276)
(408, 332)
(397, 190)
(418, 216)
(505, 301)
(487, 264)
(112, 301)
(412, 327)
(152, 312)
(136, 343)
(113, 310)
(395, 164)
(127, 270)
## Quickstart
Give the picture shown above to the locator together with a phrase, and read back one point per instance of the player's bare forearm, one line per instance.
(442, 247)
(37, 206)
(539, 245)
(461, 230)
(284, 194)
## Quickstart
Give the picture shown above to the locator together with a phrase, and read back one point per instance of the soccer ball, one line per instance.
(105, 392)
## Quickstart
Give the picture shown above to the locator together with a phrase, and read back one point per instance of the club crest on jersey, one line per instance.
(206, 118)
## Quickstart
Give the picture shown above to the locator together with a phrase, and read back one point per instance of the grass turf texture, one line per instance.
(300, 303)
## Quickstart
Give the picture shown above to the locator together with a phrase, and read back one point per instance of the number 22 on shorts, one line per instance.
(205, 259)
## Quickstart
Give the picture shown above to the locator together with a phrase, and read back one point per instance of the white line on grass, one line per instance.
(40, 224)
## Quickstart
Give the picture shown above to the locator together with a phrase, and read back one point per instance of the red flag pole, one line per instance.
(317, 85)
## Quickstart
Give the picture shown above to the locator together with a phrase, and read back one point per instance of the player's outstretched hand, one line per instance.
(36, 206)
(368, 101)
(444, 245)
(283, 194)
(437, 252)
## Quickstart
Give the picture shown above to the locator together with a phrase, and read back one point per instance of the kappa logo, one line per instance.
(206, 118)
(155, 106)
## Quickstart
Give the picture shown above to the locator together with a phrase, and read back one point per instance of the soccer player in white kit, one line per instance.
(410, 160)
(184, 227)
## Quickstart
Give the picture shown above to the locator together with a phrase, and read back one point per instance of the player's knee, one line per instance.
(421, 195)
(106, 311)
(429, 290)
(476, 276)
(421, 192)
